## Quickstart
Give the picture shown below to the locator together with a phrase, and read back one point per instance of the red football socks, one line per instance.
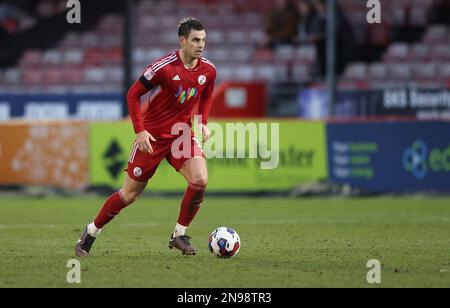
(190, 205)
(111, 209)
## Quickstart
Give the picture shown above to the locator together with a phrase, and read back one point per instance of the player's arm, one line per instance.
(205, 107)
(137, 90)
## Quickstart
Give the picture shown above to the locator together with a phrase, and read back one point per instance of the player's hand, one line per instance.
(205, 132)
(143, 141)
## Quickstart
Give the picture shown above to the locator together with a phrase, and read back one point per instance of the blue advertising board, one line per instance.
(424, 104)
(383, 157)
(95, 107)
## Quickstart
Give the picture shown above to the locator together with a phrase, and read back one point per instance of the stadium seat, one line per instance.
(71, 40)
(244, 73)
(397, 52)
(140, 55)
(423, 71)
(356, 71)
(73, 56)
(219, 55)
(216, 37)
(241, 54)
(301, 73)
(436, 34)
(111, 41)
(256, 36)
(114, 74)
(90, 39)
(11, 76)
(33, 77)
(73, 75)
(151, 55)
(306, 54)
(236, 37)
(399, 71)
(31, 57)
(285, 52)
(95, 75)
(271, 73)
(378, 71)
(444, 70)
(440, 52)
(225, 73)
(53, 57)
(419, 52)
(54, 75)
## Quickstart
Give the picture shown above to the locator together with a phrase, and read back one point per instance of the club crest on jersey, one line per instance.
(137, 172)
(201, 79)
(185, 95)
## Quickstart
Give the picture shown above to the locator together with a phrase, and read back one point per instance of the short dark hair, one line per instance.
(186, 25)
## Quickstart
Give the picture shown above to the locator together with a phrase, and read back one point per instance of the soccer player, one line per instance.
(185, 81)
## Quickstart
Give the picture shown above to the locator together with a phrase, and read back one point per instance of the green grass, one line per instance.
(285, 243)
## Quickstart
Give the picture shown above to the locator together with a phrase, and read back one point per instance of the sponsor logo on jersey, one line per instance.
(185, 95)
(176, 78)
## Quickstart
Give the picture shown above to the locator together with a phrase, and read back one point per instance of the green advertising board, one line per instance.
(291, 152)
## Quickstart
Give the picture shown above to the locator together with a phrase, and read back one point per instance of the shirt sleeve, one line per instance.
(207, 99)
(134, 95)
(151, 77)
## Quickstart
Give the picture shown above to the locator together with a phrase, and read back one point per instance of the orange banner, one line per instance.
(49, 154)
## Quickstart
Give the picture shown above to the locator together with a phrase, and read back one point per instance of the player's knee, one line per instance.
(130, 196)
(200, 180)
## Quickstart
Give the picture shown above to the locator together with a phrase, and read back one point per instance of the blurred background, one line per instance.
(360, 105)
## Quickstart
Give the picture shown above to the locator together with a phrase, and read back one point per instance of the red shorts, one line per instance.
(142, 166)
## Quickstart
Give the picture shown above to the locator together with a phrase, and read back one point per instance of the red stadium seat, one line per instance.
(31, 57)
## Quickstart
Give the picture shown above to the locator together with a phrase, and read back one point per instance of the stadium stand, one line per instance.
(93, 57)
(90, 61)
(422, 64)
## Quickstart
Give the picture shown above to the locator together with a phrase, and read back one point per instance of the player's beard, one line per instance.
(198, 55)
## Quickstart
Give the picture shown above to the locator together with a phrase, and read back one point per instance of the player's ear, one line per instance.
(182, 40)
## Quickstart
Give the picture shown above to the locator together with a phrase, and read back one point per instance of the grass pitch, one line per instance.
(315, 242)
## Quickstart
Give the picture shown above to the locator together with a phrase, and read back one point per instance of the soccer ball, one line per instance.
(224, 242)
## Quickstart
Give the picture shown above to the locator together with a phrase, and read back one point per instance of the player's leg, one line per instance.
(127, 195)
(130, 191)
(141, 167)
(195, 172)
(196, 175)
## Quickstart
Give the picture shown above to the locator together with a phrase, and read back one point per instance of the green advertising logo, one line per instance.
(300, 157)
(419, 160)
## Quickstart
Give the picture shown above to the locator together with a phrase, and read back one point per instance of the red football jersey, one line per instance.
(180, 94)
